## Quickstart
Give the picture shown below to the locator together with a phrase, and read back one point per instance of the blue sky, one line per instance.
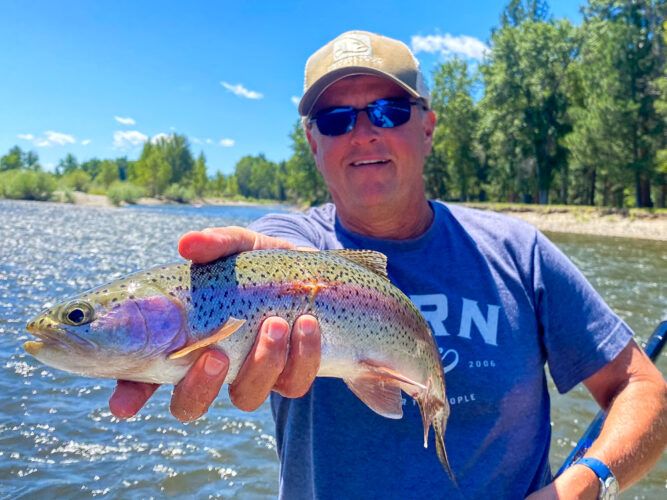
(97, 79)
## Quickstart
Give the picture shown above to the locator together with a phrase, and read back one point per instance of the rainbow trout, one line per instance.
(151, 325)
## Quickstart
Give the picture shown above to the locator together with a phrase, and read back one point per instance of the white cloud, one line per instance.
(295, 100)
(466, 46)
(196, 140)
(241, 91)
(85, 142)
(54, 139)
(226, 143)
(124, 121)
(27, 137)
(159, 136)
(127, 139)
(209, 141)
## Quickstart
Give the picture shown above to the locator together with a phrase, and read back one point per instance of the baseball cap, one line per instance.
(361, 53)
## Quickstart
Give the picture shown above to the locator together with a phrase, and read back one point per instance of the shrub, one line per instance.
(124, 192)
(27, 185)
(78, 180)
(181, 194)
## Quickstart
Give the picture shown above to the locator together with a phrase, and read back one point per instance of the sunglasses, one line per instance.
(384, 113)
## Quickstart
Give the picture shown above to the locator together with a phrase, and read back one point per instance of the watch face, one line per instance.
(610, 489)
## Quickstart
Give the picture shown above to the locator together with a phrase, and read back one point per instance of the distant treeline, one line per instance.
(556, 113)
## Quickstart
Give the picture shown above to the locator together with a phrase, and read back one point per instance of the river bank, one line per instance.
(560, 219)
(623, 223)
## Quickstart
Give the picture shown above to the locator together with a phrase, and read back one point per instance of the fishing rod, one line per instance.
(653, 348)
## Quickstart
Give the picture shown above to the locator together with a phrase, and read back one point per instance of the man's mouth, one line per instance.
(362, 163)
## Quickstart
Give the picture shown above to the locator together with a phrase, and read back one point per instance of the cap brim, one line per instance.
(320, 86)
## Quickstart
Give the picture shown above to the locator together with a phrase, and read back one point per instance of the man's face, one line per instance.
(371, 167)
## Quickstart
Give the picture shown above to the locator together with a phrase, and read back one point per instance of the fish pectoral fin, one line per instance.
(230, 326)
(380, 394)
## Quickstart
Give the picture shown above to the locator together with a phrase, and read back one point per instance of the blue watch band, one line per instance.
(597, 466)
(609, 485)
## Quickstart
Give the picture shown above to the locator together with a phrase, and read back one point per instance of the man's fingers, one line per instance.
(129, 397)
(303, 361)
(262, 367)
(194, 394)
(210, 244)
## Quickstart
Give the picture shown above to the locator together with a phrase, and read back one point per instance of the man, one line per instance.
(500, 298)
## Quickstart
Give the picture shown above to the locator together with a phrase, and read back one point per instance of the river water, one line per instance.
(57, 436)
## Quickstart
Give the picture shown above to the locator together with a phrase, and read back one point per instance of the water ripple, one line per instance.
(57, 436)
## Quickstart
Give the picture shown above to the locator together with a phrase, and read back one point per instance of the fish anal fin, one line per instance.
(379, 387)
(381, 395)
(231, 325)
(385, 371)
(371, 260)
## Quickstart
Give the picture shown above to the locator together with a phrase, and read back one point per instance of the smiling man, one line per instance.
(500, 299)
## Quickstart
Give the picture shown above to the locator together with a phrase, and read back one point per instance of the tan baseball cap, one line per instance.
(361, 53)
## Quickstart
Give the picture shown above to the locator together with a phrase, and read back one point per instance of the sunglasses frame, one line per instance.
(354, 113)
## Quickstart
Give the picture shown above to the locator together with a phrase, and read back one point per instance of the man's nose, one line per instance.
(364, 130)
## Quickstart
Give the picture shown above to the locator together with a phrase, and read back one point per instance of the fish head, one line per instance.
(112, 331)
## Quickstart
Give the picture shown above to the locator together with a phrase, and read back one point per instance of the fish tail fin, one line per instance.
(439, 428)
(434, 413)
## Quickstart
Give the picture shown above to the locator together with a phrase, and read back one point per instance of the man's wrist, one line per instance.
(577, 482)
(608, 487)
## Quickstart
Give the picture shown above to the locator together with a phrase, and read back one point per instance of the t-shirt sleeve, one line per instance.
(580, 333)
(295, 228)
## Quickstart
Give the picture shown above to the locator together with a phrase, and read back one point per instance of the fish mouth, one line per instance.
(33, 347)
(55, 337)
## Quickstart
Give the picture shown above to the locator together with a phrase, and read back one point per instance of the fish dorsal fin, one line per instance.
(379, 388)
(230, 326)
(371, 260)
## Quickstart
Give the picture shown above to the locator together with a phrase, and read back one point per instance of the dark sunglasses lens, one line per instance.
(389, 114)
(336, 121)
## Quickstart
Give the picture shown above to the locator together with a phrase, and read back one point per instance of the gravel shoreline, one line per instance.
(650, 226)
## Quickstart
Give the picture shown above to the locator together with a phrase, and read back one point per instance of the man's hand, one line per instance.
(268, 365)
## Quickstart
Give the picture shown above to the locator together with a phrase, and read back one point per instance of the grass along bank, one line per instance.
(624, 223)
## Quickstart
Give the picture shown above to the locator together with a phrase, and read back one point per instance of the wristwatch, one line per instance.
(608, 483)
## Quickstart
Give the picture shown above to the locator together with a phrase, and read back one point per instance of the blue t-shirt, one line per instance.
(501, 300)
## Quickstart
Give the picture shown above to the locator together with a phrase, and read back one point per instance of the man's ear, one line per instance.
(311, 141)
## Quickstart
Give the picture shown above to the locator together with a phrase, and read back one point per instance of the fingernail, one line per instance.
(213, 366)
(276, 331)
(307, 326)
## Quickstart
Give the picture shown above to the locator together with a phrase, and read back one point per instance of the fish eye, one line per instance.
(78, 313)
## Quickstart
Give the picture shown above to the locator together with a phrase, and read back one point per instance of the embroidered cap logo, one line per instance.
(351, 46)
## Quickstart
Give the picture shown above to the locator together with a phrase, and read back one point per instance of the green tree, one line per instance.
(12, 160)
(219, 184)
(92, 166)
(454, 142)
(627, 47)
(303, 181)
(263, 178)
(31, 161)
(199, 179)
(152, 170)
(67, 165)
(107, 173)
(526, 101)
(176, 152)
